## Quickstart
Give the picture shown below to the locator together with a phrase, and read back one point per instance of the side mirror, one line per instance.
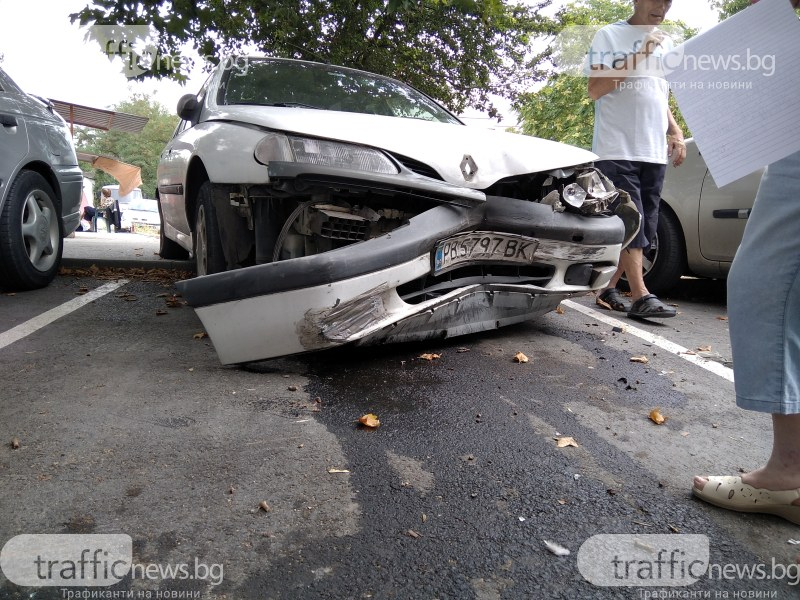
(189, 108)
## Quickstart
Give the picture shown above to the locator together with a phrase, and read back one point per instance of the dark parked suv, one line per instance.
(40, 188)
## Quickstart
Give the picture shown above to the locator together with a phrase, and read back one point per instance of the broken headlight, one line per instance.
(324, 153)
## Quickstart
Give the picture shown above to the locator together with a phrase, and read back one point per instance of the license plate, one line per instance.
(483, 246)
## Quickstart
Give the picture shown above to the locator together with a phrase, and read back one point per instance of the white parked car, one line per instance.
(141, 212)
(40, 188)
(700, 225)
(326, 205)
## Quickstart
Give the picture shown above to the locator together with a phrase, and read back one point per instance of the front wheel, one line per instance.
(30, 234)
(665, 261)
(208, 253)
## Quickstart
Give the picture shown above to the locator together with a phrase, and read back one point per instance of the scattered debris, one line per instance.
(413, 534)
(563, 442)
(722, 318)
(618, 329)
(332, 470)
(292, 388)
(429, 356)
(15, 443)
(673, 528)
(704, 348)
(794, 542)
(561, 501)
(612, 492)
(264, 506)
(369, 420)
(656, 416)
(521, 519)
(461, 350)
(83, 290)
(200, 336)
(231, 490)
(424, 517)
(519, 357)
(640, 359)
(556, 549)
(559, 310)
(160, 312)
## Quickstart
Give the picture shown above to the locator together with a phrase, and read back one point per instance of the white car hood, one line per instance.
(441, 146)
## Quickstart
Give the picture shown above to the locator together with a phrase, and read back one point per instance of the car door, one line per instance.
(723, 215)
(13, 137)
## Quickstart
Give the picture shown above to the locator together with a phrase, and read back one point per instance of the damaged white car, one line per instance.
(326, 206)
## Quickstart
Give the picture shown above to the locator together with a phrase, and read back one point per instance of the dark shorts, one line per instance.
(643, 181)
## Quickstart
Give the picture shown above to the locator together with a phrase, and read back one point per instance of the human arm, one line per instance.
(676, 146)
(604, 79)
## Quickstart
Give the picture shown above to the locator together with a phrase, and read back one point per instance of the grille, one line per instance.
(428, 287)
(344, 229)
(417, 167)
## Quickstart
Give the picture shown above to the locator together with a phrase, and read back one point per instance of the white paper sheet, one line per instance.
(738, 85)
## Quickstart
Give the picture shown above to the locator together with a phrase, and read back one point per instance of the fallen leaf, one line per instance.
(722, 318)
(338, 470)
(519, 357)
(563, 442)
(640, 359)
(656, 416)
(603, 303)
(429, 356)
(704, 349)
(15, 443)
(200, 336)
(559, 310)
(264, 506)
(556, 549)
(369, 420)
(413, 534)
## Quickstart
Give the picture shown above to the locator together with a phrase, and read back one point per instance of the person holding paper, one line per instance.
(764, 317)
(635, 134)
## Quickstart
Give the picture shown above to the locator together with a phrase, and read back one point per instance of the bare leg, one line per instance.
(782, 471)
(630, 264)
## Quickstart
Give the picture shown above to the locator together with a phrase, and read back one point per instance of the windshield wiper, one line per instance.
(292, 105)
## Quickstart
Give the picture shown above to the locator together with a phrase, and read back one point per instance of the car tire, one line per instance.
(169, 249)
(665, 262)
(31, 241)
(209, 257)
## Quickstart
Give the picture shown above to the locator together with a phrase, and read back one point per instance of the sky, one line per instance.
(47, 55)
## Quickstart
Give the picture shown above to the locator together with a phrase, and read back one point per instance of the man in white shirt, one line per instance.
(634, 135)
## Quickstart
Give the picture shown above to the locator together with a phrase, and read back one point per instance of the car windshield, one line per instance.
(312, 85)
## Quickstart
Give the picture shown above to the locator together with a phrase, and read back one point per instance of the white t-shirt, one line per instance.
(630, 122)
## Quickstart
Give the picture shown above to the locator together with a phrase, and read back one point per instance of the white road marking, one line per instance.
(32, 325)
(656, 340)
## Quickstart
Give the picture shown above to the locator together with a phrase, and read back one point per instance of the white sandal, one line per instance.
(731, 493)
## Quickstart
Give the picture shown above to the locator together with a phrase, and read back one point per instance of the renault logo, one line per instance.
(468, 167)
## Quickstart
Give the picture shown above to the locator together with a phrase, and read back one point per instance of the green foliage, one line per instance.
(561, 110)
(458, 51)
(142, 149)
(726, 8)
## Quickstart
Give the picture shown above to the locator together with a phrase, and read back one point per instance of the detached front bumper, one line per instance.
(360, 293)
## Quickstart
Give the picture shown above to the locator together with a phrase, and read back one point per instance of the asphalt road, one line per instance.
(127, 423)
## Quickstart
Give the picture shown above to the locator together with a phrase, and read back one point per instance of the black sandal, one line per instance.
(612, 299)
(650, 307)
